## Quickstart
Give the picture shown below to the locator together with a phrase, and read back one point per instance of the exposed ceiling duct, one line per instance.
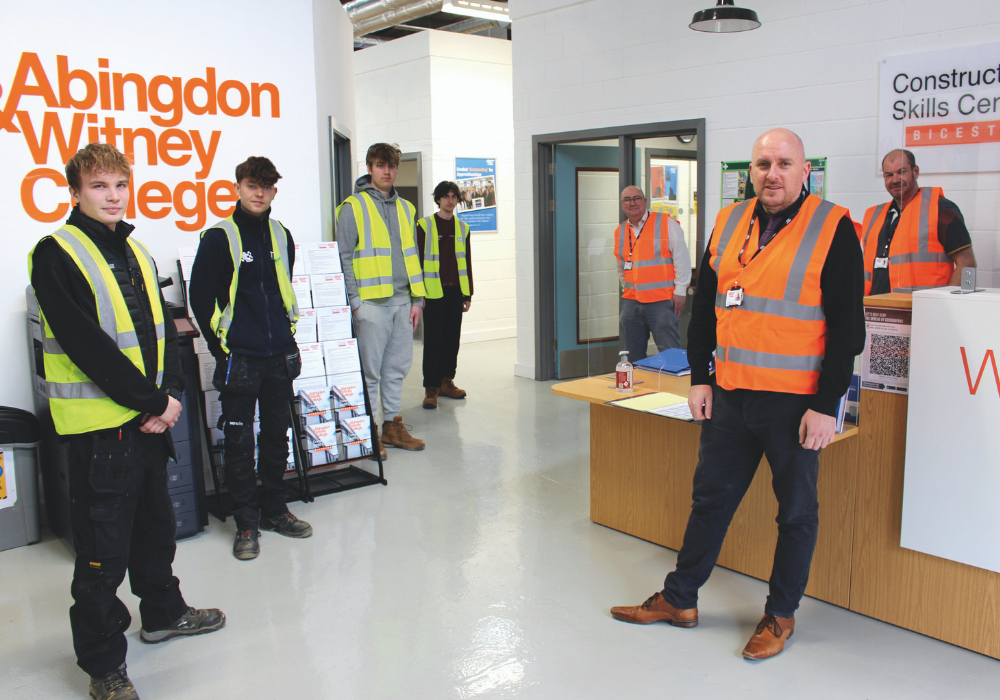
(372, 15)
(471, 26)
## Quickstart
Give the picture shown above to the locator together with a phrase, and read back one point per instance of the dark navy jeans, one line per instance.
(639, 320)
(745, 425)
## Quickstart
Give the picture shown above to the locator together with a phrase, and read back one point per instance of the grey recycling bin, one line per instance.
(20, 436)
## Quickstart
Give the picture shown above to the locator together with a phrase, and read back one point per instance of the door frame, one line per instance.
(416, 155)
(543, 205)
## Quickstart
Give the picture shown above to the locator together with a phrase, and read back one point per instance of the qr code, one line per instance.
(890, 356)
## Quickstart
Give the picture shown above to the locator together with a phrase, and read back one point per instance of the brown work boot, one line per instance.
(395, 434)
(381, 448)
(769, 638)
(430, 397)
(656, 609)
(449, 389)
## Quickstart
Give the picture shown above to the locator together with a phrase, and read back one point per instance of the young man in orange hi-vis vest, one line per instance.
(114, 377)
(779, 300)
(655, 269)
(916, 240)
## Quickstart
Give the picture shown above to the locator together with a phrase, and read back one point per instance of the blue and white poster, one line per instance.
(477, 180)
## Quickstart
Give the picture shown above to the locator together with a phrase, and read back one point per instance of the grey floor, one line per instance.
(475, 573)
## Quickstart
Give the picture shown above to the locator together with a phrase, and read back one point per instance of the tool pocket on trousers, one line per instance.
(293, 363)
(110, 463)
(232, 374)
(105, 519)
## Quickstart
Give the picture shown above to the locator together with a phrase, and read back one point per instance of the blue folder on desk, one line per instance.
(673, 361)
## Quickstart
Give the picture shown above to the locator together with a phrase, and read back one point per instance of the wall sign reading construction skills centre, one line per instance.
(944, 106)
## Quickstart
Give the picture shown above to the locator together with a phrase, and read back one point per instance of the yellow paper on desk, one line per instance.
(650, 402)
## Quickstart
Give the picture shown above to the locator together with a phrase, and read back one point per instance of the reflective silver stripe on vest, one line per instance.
(280, 237)
(236, 251)
(921, 257)
(924, 225)
(650, 286)
(871, 224)
(868, 276)
(141, 248)
(75, 390)
(374, 281)
(797, 272)
(769, 360)
(727, 231)
(102, 295)
(775, 307)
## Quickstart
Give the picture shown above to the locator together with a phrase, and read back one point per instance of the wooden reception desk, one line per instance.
(641, 473)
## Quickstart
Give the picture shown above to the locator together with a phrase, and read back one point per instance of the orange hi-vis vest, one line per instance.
(917, 258)
(775, 339)
(652, 275)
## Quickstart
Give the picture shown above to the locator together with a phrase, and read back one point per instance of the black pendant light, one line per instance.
(725, 18)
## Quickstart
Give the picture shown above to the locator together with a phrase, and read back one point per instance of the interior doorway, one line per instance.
(408, 180)
(577, 181)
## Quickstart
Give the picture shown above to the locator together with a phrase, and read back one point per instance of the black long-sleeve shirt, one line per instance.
(842, 286)
(446, 252)
(66, 299)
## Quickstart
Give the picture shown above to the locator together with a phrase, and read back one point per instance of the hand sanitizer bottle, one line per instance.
(623, 374)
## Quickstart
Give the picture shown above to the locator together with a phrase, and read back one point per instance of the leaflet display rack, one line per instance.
(331, 418)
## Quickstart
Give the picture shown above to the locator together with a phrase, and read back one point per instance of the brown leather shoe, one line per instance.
(395, 434)
(769, 638)
(449, 389)
(430, 398)
(381, 448)
(656, 609)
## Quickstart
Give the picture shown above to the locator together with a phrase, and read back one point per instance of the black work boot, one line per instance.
(287, 525)
(113, 686)
(194, 621)
(246, 545)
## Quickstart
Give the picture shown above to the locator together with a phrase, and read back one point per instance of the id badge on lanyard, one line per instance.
(627, 265)
(881, 262)
(734, 297)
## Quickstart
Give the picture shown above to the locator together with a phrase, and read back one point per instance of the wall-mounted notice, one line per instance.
(736, 185)
(944, 106)
(477, 179)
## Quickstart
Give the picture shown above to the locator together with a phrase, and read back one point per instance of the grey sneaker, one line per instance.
(113, 686)
(287, 525)
(246, 545)
(190, 623)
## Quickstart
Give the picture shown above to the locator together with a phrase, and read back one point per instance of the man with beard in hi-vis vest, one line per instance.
(241, 294)
(655, 269)
(114, 377)
(779, 300)
(916, 240)
(385, 286)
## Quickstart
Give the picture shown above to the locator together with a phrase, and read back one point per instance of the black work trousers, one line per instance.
(744, 426)
(123, 520)
(442, 336)
(244, 382)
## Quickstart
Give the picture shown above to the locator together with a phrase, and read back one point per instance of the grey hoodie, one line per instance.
(347, 241)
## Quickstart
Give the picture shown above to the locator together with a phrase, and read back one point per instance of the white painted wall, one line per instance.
(812, 67)
(312, 69)
(449, 96)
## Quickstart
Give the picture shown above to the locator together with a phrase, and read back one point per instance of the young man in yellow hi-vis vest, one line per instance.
(443, 243)
(385, 285)
(113, 374)
(241, 294)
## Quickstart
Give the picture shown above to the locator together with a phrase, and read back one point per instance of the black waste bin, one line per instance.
(20, 436)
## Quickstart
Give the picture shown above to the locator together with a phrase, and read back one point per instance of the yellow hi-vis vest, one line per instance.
(373, 254)
(78, 405)
(222, 319)
(432, 257)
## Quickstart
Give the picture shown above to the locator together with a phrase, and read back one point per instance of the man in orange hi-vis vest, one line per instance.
(779, 300)
(655, 269)
(916, 240)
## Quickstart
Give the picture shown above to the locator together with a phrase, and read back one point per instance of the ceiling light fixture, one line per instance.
(724, 18)
(482, 9)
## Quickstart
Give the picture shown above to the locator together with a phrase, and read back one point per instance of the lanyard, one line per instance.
(890, 231)
(631, 244)
(753, 220)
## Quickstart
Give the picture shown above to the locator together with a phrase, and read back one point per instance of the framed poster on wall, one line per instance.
(477, 183)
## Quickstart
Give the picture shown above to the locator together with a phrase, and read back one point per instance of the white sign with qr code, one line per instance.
(885, 362)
